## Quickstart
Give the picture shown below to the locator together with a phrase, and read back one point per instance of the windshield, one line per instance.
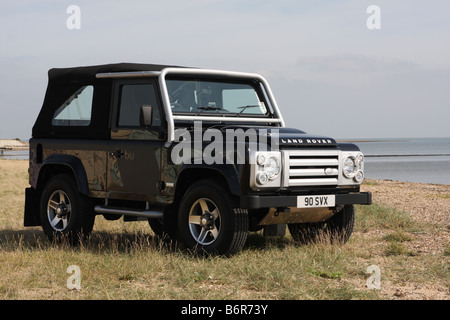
(215, 97)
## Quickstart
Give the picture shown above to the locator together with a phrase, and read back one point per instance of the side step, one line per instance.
(129, 212)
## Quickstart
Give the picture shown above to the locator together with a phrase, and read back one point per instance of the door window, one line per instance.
(132, 97)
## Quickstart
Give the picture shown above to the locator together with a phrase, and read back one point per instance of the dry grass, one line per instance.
(122, 260)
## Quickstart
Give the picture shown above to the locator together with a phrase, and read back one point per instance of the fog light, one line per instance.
(262, 178)
(359, 176)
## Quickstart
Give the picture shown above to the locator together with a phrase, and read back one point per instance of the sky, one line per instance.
(331, 71)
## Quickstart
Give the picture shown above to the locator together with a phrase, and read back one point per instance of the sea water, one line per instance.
(14, 154)
(425, 160)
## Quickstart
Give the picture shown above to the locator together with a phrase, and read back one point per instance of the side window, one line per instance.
(76, 110)
(132, 97)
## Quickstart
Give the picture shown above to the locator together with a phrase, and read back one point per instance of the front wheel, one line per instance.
(210, 220)
(64, 211)
(337, 229)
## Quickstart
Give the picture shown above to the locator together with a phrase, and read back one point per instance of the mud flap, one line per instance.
(31, 214)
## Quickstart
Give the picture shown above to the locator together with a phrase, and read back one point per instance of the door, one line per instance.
(134, 151)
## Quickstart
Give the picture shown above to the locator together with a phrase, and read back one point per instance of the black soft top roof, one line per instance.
(63, 82)
(88, 73)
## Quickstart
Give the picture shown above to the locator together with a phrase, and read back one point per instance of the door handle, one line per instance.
(116, 153)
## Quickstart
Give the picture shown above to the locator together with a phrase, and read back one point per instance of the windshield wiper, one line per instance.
(249, 106)
(209, 108)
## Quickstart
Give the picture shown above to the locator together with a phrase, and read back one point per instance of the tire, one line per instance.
(210, 220)
(337, 229)
(64, 212)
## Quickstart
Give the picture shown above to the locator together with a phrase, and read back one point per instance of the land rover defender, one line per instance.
(203, 155)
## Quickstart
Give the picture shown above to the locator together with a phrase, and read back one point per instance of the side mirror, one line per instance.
(145, 116)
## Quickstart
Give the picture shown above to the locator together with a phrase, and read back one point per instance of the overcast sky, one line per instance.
(329, 72)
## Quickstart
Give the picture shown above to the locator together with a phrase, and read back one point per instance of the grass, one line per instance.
(123, 260)
(378, 216)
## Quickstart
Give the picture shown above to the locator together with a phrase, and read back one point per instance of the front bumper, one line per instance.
(258, 202)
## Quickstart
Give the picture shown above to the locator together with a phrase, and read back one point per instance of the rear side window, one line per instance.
(76, 110)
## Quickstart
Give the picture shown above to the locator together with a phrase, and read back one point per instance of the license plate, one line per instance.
(316, 201)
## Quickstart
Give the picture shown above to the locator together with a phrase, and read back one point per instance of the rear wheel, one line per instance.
(64, 211)
(210, 220)
(337, 229)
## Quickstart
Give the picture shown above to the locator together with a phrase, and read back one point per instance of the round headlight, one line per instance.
(349, 167)
(272, 167)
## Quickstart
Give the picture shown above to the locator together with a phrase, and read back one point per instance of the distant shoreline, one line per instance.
(407, 155)
(372, 140)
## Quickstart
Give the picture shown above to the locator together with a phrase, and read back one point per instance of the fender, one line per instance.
(344, 146)
(71, 162)
(228, 172)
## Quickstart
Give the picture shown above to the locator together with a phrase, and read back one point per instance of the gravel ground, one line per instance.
(426, 203)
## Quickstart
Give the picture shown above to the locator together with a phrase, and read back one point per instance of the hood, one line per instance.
(294, 137)
(285, 137)
(288, 137)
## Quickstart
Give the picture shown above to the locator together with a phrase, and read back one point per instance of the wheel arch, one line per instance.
(62, 163)
(51, 166)
(226, 175)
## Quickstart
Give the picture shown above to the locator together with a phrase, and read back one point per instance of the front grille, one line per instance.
(310, 168)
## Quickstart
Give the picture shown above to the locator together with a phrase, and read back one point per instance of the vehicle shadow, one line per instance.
(21, 239)
(117, 242)
(98, 241)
